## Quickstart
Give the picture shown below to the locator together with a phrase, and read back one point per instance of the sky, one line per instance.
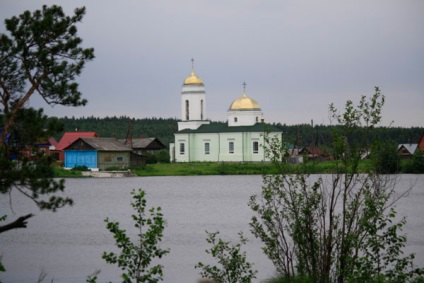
(296, 57)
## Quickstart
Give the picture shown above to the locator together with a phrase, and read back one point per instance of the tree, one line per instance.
(336, 229)
(135, 258)
(42, 55)
(385, 157)
(234, 267)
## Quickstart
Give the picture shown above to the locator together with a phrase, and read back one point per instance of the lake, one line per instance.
(68, 244)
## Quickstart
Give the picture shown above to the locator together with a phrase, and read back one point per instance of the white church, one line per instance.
(197, 139)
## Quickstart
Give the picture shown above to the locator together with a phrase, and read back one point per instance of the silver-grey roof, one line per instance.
(106, 144)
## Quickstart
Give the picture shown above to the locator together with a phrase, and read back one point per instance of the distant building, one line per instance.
(144, 145)
(101, 153)
(407, 150)
(421, 142)
(67, 139)
(240, 140)
(313, 153)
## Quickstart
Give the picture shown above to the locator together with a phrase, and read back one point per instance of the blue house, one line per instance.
(101, 153)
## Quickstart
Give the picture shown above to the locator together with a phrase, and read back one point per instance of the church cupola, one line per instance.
(244, 111)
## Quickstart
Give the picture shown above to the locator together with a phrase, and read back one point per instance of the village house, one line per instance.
(97, 153)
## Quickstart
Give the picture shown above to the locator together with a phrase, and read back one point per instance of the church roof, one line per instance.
(244, 103)
(193, 79)
(224, 128)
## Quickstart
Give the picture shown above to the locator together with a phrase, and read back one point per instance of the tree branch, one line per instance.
(18, 223)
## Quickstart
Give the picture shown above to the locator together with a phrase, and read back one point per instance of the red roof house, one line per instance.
(421, 142)
(67, 139)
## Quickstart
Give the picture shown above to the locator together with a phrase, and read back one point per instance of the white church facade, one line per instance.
(239, 140)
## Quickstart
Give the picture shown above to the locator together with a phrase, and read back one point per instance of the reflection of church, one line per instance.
(197, 139)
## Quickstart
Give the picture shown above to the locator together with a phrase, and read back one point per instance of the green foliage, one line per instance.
(163, 156)
(80, 168)
(135, 258)
(233, 266)
(33, 178)
(415, 165)
(42, 55)
(385, 157)
(338, 230)
(59, 172)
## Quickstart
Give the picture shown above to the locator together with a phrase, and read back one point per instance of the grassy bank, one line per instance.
(227, 168)
(222, 168)
(62, 173)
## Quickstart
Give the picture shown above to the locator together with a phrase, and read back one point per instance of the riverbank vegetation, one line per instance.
(236, 168)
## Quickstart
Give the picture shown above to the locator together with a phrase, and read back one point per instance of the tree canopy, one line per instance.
(42, 55)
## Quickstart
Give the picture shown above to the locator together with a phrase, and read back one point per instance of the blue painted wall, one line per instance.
(75, 158)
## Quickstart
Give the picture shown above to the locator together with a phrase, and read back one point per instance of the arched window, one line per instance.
(201, 109)
(187, 105)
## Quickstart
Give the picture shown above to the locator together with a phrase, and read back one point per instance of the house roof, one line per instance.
(69, 137)
(224, 128)
(102, 144)
(316, 151)
(146, 143)
(410, 147)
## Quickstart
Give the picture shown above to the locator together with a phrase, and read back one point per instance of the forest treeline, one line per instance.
(164, 129)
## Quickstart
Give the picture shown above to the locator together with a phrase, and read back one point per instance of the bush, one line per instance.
(80, 168)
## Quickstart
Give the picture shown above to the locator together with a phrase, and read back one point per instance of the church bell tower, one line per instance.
(193, 102)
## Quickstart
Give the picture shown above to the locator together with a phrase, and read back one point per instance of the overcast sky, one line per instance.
(295, 56)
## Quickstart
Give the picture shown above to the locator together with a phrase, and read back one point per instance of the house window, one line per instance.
(120, 159)
(108, 158)
(231, 147)
(235, 119)
(255, 147)
(207, 148)
(187, 105)
(182, 148)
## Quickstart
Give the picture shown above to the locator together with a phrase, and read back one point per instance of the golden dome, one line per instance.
(244, 103)
(193, 79)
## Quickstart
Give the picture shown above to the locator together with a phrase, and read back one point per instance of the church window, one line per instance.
(255, 147)
(187, 105)
(201, 109)
(182, 148)
(231, 147)
(235, 119)
(257, 119)
(207, 148)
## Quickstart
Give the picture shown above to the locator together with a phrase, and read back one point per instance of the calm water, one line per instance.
(68, 245)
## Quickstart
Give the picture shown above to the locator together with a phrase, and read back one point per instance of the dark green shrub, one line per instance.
(80, 168)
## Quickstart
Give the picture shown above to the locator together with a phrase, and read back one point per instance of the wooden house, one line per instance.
(407, 150)
(421, 142)
(145, 145)
(101, 153)
(142, 147)
(67, 139)
(313, 153)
